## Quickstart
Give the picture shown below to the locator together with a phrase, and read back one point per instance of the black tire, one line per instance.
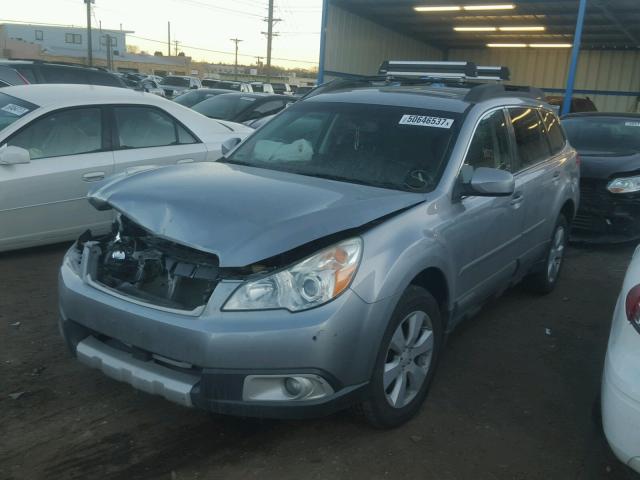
(541, 281)
(376, 408)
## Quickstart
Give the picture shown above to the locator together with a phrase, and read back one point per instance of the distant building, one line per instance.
(69, 44)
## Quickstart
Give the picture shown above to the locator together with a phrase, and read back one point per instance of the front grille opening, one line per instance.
(140, 265)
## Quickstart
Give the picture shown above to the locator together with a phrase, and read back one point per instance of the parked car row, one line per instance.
(325, 254)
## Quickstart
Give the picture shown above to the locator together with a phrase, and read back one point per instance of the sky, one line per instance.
(199, 25)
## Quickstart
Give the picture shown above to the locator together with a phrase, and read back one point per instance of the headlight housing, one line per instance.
(314, 281)
(624, 185)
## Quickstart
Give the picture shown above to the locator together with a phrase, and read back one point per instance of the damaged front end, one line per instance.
(136, 264)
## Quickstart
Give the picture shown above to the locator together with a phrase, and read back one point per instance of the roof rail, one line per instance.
(486, 91)
(449, 70)
(48, 62)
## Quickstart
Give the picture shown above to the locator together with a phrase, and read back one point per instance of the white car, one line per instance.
(57, 141)
(621, 379)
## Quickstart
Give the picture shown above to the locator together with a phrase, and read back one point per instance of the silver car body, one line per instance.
(44, 201)
(467, 249)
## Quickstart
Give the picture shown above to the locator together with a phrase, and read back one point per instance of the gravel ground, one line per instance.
(511, 400)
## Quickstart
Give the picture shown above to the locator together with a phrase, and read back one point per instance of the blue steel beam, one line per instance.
(323, 40)
(575, 53)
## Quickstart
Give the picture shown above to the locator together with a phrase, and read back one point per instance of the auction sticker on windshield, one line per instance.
(15, 109)
(424, 121)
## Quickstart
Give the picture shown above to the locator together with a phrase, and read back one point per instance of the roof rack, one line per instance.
(493, 73)
(448, 70)
(442, 74)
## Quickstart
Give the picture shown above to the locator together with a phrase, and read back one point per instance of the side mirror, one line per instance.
(10, 155)
(229, 145)
(488, 182)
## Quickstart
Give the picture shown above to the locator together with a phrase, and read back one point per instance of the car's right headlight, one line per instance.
(304, 285)
(624, 185)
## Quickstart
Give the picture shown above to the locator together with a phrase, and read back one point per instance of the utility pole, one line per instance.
(109, 54)
(89, 46)
(169, 38)
(176, 42)
(258, 63)
(235, 68)
(269, 33)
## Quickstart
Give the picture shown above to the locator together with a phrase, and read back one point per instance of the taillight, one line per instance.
(632, 306)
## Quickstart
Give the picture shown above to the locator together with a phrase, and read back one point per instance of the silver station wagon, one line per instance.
(321, 263)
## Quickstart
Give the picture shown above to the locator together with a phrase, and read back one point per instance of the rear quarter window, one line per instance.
(556, 136)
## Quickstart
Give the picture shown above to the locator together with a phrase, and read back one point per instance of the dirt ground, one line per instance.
(511, 400)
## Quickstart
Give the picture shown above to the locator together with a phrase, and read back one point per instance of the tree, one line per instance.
(157, 53)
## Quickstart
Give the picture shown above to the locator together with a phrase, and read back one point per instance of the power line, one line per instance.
(191, 47)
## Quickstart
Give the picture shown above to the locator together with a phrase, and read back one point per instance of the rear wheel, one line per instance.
(544, 281)
(406, 360)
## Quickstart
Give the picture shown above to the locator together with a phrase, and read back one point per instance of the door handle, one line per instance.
(185, 160)
(556, 175)
(93, 176)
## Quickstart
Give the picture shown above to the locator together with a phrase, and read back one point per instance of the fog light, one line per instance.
(285, 388)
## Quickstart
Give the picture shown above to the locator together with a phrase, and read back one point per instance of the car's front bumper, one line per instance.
(604, 217)
(214, 352)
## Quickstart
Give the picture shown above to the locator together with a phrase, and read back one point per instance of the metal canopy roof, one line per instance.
(609, 24)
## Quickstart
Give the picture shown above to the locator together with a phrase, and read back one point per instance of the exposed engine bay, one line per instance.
(138, 264)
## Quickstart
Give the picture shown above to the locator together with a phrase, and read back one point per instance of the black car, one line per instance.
(609, 146)
(35, 71)
(192, 97)
(242, 107)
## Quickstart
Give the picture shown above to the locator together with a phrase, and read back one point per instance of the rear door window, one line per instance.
(143, 127)
(531, 144)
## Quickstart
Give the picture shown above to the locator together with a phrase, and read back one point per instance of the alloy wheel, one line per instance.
(556, 254)
(408, 359)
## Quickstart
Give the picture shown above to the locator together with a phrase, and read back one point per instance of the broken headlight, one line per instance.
(307, 284)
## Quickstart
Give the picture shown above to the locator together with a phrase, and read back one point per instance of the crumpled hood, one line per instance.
(244, 214)
(607, 165)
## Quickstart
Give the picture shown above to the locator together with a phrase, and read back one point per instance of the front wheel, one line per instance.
(406, 360)
(545, 280)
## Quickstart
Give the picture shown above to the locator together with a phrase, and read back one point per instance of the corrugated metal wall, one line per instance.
(356, 45)
(613, 71)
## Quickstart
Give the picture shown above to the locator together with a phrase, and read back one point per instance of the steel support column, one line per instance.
(575, 53)
(323, 40)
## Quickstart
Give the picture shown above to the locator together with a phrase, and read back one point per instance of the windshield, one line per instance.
(177, 81)
(614, 135)
(391, 147)
(224, 107)
(12, 109)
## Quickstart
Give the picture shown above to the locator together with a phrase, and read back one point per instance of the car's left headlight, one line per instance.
(624, 185)
(306, 284)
